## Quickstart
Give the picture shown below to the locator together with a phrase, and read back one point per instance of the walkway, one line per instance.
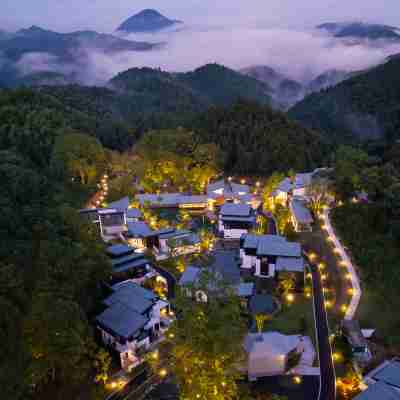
(346, 262)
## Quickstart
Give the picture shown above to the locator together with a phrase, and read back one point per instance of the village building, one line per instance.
(301, 217)
(359, 345)
(268, 255)
(128, 265)
(235, 220)
(134, 319)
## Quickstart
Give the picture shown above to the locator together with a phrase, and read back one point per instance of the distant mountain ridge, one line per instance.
(148, 20)
(66, 47)
(366, 106)
(361, 30)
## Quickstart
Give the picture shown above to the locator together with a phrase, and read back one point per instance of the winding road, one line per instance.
(346, 262)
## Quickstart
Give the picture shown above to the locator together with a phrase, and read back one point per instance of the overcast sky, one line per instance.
(106, 15)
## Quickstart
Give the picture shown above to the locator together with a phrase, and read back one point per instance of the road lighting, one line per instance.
(290, 297)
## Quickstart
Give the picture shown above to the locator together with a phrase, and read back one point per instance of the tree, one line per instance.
(392, 200)
(207, 342)
(260, 320)
(76, 155)
(318, 194)
(272, 183)
(282, 216)
(287, 283)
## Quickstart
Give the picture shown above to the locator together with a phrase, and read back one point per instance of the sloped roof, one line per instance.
(245, 289)
(269, 245)
(133, 213)
(389, 374)
(132, 296)
(290, 264)
(262, 304)
(226, 265)
(121, 320)
(303, 179)
(235, 210)
(301, 212)
(118, 250)
(139, 229)
(379, 391)
(285, 186)
(121, 205)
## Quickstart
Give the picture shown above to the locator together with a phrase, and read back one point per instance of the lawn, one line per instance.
(294, 319)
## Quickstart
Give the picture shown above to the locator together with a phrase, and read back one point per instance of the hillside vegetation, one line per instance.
(364, 107)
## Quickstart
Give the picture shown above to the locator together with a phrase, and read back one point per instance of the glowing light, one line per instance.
(324, 277)
(321, 266)
(308, 295)
(258, 184)
(348, 276)
(297, 380)
(325, 207)
(154, 355)
(325, 227)
(309, 275)
(343, 263)
(350, 291)
(171, 335)
(328, 304)
(243, 181)
(336, 250)
(163, 373)
(337, 357)
(312, 256)
(113, 385)
(290, 297)
(343, 308)
(330, 239)
(223, 383)
(230, 179)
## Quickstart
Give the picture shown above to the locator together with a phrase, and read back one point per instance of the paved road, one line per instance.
(356, 295)
(327, 387)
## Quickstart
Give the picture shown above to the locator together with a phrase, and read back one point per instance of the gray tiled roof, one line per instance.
(121, 320)
(118, 250)
(235, 210)
(379, 391)
(290, 264)
(133, 213)
(121, 205)
(245, 289)
(390, 374)
(285, 186)
(132, 296)
(273, 245)
(300, 212)
(262, 304)
(226, 265)
(140, 229)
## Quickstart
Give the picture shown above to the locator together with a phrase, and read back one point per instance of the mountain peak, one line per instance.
(147, 20)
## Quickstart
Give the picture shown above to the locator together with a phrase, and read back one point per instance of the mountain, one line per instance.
(147, 21)
(211, 84)
(328, 78)
(257, 140)
(366, 106)
(45, 78)
(361, 31)
(285, 91)
(63, 48)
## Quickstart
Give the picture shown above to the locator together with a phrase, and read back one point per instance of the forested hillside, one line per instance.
(50, 263)
(366, 106)
(254, 139)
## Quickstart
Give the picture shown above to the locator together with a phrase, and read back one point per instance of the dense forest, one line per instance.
(366, 106)
(253, 139)
(50, 263)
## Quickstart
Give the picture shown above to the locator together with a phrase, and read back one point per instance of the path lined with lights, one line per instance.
(345, 262)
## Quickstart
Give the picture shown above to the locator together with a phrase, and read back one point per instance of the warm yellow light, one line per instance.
(348, 276)
(290, 297)
(324, 277)
(336, 250)
(343, 308)
(163, 373)
(243, 181)
(330, 239)
(321, 266)
(297, 380)
(312, 256)
(337, 357)
(309, 275)
(350, 291)
(223, 383)
(154, 355)
(325, 227)
(328, 304)
(258, 184)
(171, 335)
(230, 179)
(308, 295)
(113, 385)
(325, 207)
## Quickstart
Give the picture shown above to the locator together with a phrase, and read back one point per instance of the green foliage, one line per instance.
(207, 343)
(51, 262)
(255, 140)
(365, 106)
(366, 230)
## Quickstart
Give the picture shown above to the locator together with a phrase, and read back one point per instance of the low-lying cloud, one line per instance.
(301, 55)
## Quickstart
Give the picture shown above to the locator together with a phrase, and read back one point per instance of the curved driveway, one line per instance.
(346, 262)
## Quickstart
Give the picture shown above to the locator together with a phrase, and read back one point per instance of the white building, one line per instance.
(235, 220)
(133, 320)
(267, 255)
